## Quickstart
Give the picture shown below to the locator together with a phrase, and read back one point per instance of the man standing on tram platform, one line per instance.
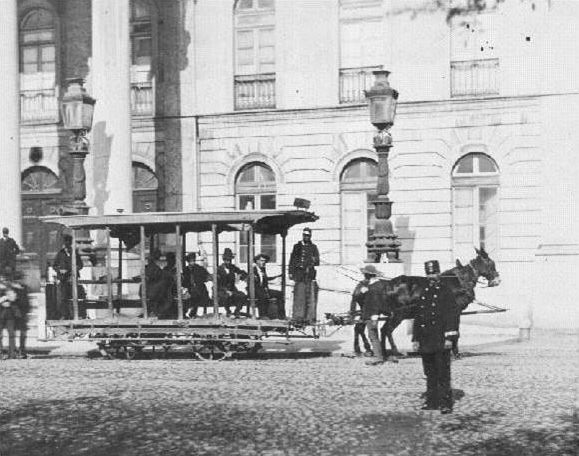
(435, 328)
(302, 270)
(63, 267)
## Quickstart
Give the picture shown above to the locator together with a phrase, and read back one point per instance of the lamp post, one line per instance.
(383, 245)
(77, 111)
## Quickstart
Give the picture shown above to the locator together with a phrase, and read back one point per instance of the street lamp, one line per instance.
(77, 112)
(382, 99)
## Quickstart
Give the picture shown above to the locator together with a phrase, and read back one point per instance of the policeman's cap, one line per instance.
(432, 267)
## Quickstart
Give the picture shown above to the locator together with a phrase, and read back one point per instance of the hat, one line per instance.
(432, 267)
(5, 230)
(156, 254)
(191, 256)
(227, 254)
(261, 255)
(66, 236)
(370, 270)
(307, 230)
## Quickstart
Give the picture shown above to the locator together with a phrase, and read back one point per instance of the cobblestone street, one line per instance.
(519, 399)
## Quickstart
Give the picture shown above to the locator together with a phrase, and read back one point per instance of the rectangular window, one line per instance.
(264, 243)
(29, 60)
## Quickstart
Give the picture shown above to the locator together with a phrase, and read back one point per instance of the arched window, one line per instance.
(141, 58)
(255, 189)
(39, 179)
(37, 42)
(475, 184)
(145, 185)
(254, 54)
(357, 185)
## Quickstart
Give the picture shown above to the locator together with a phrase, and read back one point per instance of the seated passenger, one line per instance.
(194, 278)
(156, 288)
(227, 274)
(269, 302)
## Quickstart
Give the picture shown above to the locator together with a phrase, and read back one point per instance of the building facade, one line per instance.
(220, 105)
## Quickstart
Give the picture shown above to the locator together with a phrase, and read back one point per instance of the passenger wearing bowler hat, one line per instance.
(269, 302)
(228, 294)
(302, 270)
(434, 330)
(63, 267)
(194, 278)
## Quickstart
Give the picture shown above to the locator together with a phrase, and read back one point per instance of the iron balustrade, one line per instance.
(255, 91)
(142, 98)
(39, 106)
(474, 77)
(353, 83)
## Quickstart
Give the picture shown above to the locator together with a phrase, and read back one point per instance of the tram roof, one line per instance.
(264, 222)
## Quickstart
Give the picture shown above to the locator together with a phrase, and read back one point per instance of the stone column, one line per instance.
(111, 86)
(10, 203)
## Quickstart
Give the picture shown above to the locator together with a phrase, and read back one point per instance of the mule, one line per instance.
(403, 292)
(14, 317)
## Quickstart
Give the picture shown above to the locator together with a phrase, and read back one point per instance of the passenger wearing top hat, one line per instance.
(269, 302)
(63, 267)
(434, 330)
(194, 278)
(302, 270)
(227, 274)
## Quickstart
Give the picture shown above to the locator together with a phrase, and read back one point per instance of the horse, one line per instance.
(403, 292)
(14, 316)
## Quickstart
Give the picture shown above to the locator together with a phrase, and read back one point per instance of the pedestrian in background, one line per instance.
(8, 251)
(302, 270)
(435, 328)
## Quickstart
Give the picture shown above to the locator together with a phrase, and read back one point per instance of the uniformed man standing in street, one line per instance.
(302, 270)
(434, 331)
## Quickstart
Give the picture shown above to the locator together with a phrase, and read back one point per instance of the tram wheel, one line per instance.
(212, 352)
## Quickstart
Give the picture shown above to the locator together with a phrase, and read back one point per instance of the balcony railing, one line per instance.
(39, 106)
(255, 91)
(353, 82)
(474, 77)
(142, 99)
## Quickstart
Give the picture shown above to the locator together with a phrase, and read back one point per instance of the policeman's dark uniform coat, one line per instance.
(434, 323)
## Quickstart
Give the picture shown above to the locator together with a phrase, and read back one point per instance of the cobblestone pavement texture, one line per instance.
(519, 399)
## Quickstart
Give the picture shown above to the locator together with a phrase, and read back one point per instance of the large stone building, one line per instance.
(223, 104)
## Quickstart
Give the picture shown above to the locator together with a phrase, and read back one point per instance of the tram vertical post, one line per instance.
(215, 265)
(283, 267)
(74, 278)
(109, 273)
(179, 264)
(143, 272)
(251, 278)
(120, 265)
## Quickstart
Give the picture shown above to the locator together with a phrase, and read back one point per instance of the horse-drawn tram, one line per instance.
(130, 248)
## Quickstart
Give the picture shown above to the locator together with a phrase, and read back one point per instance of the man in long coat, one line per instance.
(8, 251)
(435, 328)
(302, 270)
(194, 278)
(63, 267)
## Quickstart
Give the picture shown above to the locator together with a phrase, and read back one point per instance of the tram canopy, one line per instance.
(127, 226)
